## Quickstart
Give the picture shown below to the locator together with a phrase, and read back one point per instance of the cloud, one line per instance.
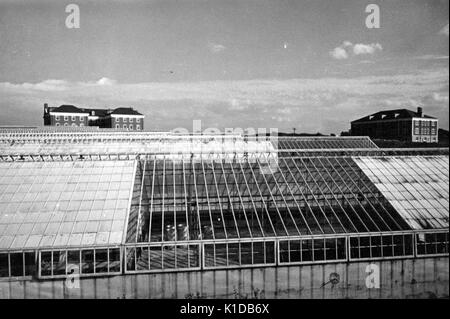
(106, 81)
(347, 49)
(301, 103)
(431, 57)
(339, 53)
(366, 48)
(216, 48)
(444, 30)
(440, 97)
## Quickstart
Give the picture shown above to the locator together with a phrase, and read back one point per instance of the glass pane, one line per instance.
(270, 252)
(59, 263)
(258, 253)
(341, 248)
(221, 254)
(101, 260)
(131, 263)
(73, 262)
(155, 257)
(375, 242)
(408, 245)
(330, 245)
(182, 256)
(284, 251)
(16, 261)
(46, 263)
(114, 260)
(30, 264)
(319, 250)
(233, 254)
(209, 255)
(246, 253)
(364, 248)
(87, 261)
(4, 268)
(307, 250)
(169, 253)
(387, 246)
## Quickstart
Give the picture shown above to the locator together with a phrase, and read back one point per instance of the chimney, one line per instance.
(45, 108)
(419, 112)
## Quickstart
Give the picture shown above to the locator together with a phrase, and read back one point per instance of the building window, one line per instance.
(117, 126)
(74, 118)
(117, 119)
(138, 120)
(57, 124)
(66, 118)
(73, 124)
(57, 117)
(65, 124)
(131, 126)
(125, 119)
(124, 126)
(131, 120)
(81, 124)
(81, 118)
(138, 127)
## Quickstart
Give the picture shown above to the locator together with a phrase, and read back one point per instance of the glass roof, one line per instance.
(71, 203)
(319, 142)
(418, 187)
(185, 200)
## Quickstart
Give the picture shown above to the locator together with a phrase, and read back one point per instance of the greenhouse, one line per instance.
(121, 203)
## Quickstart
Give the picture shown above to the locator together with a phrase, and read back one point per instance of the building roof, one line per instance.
(98, 112)
(125, 111)
(63, 204)
(67, 109)
(391, 115)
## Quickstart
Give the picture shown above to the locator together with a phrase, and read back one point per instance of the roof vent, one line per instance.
(383, 116)
(370, 117)
(396, 115)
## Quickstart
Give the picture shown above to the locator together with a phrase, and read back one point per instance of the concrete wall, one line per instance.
(412, 278)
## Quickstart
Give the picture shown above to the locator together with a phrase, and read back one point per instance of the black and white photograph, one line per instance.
(224, 153)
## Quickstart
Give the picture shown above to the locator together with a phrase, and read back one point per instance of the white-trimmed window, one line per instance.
(66, 118)
(117, 119)
(131, 120)
(81, 118)
(124, 126)
(74, 118)
(138, 127)
(117, 126)
(66, 124)
(125, 119)
(57, 124)
(57, 117)
(138, 120)
(131, 126)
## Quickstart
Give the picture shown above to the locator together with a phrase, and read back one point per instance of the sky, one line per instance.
(310, 65)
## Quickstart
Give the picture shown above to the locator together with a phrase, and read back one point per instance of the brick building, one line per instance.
(402, 124)
(69, 115)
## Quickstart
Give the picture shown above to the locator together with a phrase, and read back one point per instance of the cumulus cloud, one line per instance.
(366, 48)
(216, 47)
(444, 30)
(347, 49)
(339, 53)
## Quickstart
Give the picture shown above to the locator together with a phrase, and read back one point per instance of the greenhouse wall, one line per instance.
(403, 278)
